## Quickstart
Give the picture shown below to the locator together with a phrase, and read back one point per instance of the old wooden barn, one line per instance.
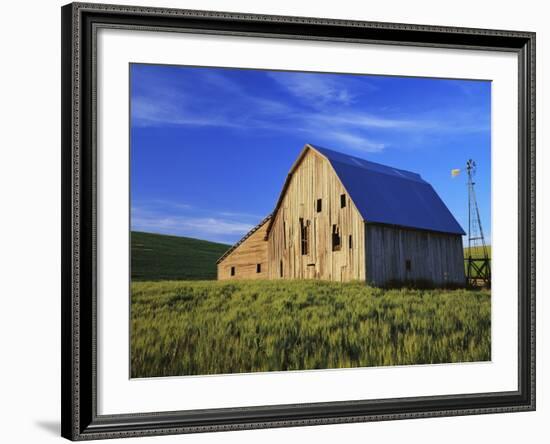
(343, 218)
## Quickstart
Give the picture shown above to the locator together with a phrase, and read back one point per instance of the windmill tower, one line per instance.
(478, 262)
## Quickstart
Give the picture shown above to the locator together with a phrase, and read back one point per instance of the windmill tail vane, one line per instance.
(455, 172)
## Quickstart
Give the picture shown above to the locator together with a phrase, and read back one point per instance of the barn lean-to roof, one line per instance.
(245, 237)
(383, 194)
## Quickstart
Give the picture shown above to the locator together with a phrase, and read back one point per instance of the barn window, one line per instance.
(408, 265)
(342, 200)
(281, 268)
(304, 236)
(350, 242)
(232, 271)
(336, 241)
(258, 268)
(319, 205)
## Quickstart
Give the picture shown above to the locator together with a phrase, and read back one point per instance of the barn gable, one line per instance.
(315, 231)
(247, 259)
(295, 166)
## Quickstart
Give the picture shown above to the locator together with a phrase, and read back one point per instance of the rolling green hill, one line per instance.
(477, 252)
(158, 257)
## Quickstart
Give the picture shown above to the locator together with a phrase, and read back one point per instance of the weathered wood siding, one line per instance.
(437, 257)
(315, 179)
(246, 257)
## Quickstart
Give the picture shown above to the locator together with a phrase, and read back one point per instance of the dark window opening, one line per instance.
(258, 268)
(319, 205)
(336, 241)
(232, 271)
(280, 268)
(304, 236)
(408, 265)
(350, 242)
(342, 200)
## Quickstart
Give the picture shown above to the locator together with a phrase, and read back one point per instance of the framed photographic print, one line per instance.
(280, 221)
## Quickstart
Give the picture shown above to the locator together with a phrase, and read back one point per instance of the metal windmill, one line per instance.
(478, 262)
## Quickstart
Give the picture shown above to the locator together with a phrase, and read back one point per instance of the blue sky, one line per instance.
(211, 147)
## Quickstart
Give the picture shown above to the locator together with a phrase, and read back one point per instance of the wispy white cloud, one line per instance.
(254, 217)
(269, 107)
(219, 81)
(187, 225)
(365, 120)
(444, 123)
(355, 142)
(149, 111)
(171, 204)
(319, 89)
(325, 113)
(166, 217)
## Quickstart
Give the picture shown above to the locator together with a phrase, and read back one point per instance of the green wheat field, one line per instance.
(210, 327)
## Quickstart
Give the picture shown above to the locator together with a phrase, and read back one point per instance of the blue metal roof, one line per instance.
(387, 195)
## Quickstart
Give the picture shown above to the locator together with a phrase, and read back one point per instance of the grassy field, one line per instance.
(161, 257)
(210, 327)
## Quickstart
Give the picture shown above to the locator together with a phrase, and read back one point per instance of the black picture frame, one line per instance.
(80, 420)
